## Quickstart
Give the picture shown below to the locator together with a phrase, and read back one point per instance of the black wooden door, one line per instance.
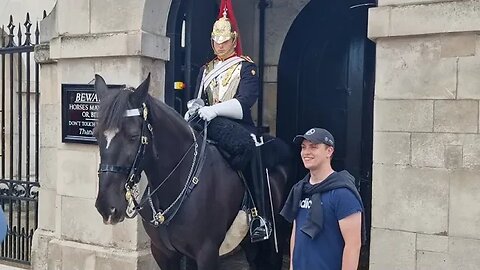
(189, 28)
(325, 79)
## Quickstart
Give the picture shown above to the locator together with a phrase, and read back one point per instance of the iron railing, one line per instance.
(19, 138)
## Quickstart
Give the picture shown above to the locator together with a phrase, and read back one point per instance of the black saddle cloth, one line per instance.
(236, 144)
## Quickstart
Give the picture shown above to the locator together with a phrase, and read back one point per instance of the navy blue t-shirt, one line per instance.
(325, 251)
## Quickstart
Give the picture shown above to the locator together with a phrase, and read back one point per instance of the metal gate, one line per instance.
(19, 138)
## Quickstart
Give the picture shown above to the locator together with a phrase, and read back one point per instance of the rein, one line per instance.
(133, 173)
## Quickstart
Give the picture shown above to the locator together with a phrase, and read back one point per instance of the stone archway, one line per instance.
(325, 79)
(155, 16)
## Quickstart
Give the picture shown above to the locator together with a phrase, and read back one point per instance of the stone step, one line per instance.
(10, 267)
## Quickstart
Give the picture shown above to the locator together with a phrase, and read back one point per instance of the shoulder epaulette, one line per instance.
(209, 66)
(248, 59)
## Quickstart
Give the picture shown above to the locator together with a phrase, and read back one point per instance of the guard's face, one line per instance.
(224, 49)
(315, 155)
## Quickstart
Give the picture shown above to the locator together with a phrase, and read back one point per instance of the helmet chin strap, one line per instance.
(225, 55)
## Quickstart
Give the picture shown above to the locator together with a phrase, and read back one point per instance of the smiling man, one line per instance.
(325, 208)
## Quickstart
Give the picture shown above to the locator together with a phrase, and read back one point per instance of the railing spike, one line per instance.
(19, 32)
(37, 33)
(10, 27)
(28, 25)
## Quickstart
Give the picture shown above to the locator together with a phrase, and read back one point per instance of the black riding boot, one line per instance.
(244, 155)
(260, 226)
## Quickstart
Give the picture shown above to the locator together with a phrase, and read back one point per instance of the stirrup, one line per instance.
(260, 231)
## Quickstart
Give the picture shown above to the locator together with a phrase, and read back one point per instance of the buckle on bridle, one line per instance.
(159, 218)
(131, 195)
(144, 140)
(195, 180)
(254, 212)
(145, 111)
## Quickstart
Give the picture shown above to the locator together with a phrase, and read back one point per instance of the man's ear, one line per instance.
(330, 150)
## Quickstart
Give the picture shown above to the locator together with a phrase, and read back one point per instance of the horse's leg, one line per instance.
(190, 264)
(208, 258)
(251, 253)
(166, 260)
(262, 255)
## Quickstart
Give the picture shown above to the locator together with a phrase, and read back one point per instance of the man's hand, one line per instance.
(207, 113)
(187, 115)
(193, 105)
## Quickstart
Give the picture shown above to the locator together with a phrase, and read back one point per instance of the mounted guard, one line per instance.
(189, 181)
(228, 86)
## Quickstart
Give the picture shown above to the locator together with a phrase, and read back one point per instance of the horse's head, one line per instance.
(119, 133)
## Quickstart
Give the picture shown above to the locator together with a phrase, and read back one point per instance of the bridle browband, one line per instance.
(133, 174)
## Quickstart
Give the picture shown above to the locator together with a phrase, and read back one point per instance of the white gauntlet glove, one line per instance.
(207, 113)
(188, 114)
(230, 108)
(193, 105)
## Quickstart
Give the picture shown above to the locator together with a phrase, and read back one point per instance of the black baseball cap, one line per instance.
(316, 135)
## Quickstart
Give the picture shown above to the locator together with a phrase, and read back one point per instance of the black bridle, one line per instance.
(133, 173)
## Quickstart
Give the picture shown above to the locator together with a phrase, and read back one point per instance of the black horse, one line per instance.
(136, 133)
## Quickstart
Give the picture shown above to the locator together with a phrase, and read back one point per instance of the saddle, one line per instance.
(234, 141)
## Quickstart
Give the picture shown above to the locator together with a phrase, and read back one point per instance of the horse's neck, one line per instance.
(172, 140)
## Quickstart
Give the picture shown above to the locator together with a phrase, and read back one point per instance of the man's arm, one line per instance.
(351, 229)
(292, 245)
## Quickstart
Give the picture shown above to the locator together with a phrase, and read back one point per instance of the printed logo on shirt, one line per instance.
(306, 203)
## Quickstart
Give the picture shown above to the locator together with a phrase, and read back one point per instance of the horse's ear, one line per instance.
(140, 94)
(100, 86)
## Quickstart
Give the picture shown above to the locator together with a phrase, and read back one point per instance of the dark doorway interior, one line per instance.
(326, 79)
(189, 27)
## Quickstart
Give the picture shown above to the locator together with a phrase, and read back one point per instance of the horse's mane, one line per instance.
(112, 109)
(114, 105)
(158, 107)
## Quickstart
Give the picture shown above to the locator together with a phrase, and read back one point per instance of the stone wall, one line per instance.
(123, 40)
(279, 17)
(426, 207)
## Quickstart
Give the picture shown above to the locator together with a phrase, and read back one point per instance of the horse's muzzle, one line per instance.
(111, 216)
(113, 219)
